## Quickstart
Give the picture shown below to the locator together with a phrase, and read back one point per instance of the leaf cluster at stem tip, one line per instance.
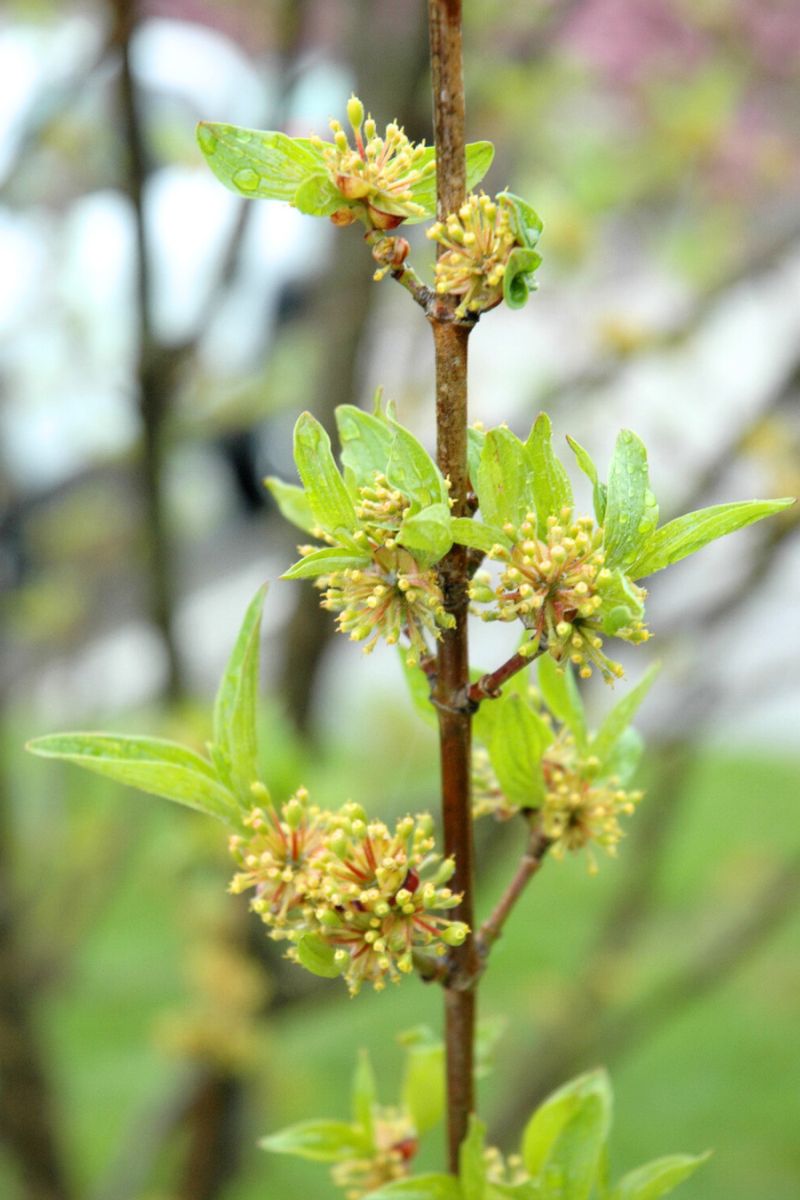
(563, 1152)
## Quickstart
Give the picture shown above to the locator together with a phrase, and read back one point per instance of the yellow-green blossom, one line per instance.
(477, 241)
(561, 590)
(376, 176)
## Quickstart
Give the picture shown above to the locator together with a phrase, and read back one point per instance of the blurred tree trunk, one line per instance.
(155, 365)
(390, 84)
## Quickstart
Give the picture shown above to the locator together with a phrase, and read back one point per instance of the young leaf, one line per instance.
(412, 470)
(317, 197)
(503, 484)
(621, 715)
(685, 535)
(427, 533)
(423, 1093)
(527, 222)
(256, 163)
(328, 497)
(518, 280)
(599, 490)
(471, 1161)
(550, 483)
(419, 688)
(321, 562)
(624, 756)
(658, 1178)
(631, 511)
(566, 1135)
(365, 1096)
(476, 439)
(317, 956)
(235, 705)
(516, 738)
(153, 765)
(292, 502)
(562, 697)
(468, 532)
(366, 441)
(319, 1141)
(420, 1187)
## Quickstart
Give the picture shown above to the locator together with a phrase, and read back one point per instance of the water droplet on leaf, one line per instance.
(247, 180)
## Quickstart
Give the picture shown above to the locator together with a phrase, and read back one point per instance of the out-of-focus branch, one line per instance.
(27, 1119)
(153, 367)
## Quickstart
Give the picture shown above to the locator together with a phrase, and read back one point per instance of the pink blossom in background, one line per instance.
(627, 38)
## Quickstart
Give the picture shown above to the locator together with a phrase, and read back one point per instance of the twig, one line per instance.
(488, 686)
(531, 861)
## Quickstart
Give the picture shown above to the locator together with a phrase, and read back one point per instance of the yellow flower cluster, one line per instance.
(396, 1144)
(579, 808)
(560, 589)
(391, 595)
(378, 174)
(374, 896)
(477, 241)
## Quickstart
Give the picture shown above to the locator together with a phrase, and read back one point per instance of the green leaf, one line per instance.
(419, 688)
(365, 1096)
(621, 715)
(317, 196)
(624, 756)
(256, 163)
(599, 490)
(503, 485)
(412, 470)
(468, 532)
(427, 533)
(479, 157)
(235, 705)
(292, 502)
(518, 279)
(324, 561)
(319, 1141)
(622, 602)
(631, 510)
(153, 765)
(658, 1178)
(317, 956)
(516, 737)
(327, 495)
(550, 483)
(476, 439)
(423, 1093)
(685, 535)
(527, 222)
(366, 442)
(561, 695)
(566, 1135)
(419, 1187)
(471, 1161)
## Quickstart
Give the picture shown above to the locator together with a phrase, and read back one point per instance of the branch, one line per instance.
(452, 677)
(531, 861)
(488, 686)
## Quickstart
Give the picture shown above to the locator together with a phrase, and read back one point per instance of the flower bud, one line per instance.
(355, 112)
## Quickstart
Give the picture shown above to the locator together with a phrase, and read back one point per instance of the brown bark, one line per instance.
(452, 676)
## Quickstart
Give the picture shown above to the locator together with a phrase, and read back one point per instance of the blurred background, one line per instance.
(158, 337)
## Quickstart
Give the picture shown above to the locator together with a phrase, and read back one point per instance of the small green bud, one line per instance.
(455, 934)
(355, 112)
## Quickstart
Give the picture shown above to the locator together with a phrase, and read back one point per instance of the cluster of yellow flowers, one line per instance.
(372, 895)
(392, 595)
(560, 589)
(477, 242)
(376, 176)
(396, 1143)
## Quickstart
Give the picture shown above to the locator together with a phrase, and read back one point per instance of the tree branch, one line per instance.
(531, 861)
(452, 678)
